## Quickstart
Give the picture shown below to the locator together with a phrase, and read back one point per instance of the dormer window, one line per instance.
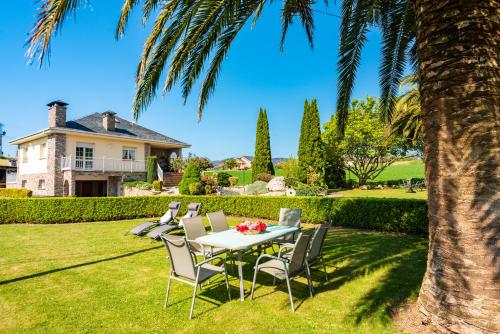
(128, 153)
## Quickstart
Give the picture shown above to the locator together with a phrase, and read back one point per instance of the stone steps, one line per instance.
(171, 179)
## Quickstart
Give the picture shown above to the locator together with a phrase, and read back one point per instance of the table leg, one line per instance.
(240, 274)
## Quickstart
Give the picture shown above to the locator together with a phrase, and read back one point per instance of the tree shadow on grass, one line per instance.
(78, 265)
(356, 254)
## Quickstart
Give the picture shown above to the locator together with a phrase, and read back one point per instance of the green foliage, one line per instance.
(191, 175)
(195, 188)
(365, 149)
(223, 179)
(138, 185)
(233, 181)
(178, 164)
(202, 163)
(157, 185)
(257, 188)
(262, 162)
(310, 191)
(290, 167)
(291, 182)
(385, 214)
(15, 193)
(311, 154)
(334, 167)
(230, 163)
(264, 177)
(151, 168)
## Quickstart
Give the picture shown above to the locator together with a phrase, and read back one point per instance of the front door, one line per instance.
(91, 188)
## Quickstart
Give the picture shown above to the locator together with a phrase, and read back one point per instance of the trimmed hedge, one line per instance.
(384, 214)
(15, 192)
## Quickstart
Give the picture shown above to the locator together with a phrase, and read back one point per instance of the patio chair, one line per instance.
(194, 228)
(289, 217)
(166, 220)
(315, 251)
(218, 221)
(185, 269)
(193, 210)
(287, 268)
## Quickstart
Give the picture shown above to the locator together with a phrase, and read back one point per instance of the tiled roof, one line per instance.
(123, 128)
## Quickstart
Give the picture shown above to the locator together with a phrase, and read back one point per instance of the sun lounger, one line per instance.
(167, 218)
(193, 211)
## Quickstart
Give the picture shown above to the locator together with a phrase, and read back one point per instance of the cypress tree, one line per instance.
(262, 162)
(152, 173)
(311, 153)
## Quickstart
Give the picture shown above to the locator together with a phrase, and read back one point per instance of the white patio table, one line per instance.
(238, 242)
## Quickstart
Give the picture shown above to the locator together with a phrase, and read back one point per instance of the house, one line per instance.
(89, 156)
(244, 162)
(8, 171)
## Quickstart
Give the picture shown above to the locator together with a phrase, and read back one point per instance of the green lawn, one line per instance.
(400, 170)
(244, 176)
(89, 277)
(389, 193)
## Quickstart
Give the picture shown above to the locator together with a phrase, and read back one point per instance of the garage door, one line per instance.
(91, 188)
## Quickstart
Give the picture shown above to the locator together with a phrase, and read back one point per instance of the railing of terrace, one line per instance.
(102, 164)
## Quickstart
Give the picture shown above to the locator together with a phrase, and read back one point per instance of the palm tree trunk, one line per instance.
(458, 50)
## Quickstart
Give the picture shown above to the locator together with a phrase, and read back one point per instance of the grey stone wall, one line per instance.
(56, 148)
(57, 116)
(32, 182)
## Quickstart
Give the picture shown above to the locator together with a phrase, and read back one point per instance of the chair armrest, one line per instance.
(210, 259)
(285, 246)
(196, 242)
(270, 257)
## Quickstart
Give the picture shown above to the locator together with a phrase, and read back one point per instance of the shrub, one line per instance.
(233, 180)
(384, 214)
(152, 171)
(157, 185)
(191, 175)
(208, 189)
(291, 182)
(138, 185)
(15, 193)
(223, 179)
(195, 188)
(309, 191)
(264, 177)
(256, 188)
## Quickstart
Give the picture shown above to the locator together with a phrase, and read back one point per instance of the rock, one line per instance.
(277, 184)
(364, 187)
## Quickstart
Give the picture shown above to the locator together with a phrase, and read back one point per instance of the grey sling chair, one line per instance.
(288, 217)
(218, 221)
(185, 269)
(192, 210)
(315, 251)
(286, 269)
(166, 220)
(194, 228)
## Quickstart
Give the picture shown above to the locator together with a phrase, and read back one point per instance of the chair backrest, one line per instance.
(317, 241)
(218, 221)
(173, 209)
(181, 258)
(290, 217)
(193, 210)
(194, 228)
(299, 253)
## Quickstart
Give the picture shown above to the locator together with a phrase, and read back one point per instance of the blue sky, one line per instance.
(92, 72)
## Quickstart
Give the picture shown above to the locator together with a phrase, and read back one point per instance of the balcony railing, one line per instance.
(102, 164)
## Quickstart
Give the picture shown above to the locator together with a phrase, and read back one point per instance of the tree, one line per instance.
(191, 175)
(290, 167)
(262, 162)
(152, 169)
(202, 163)
(230, 163)
(365, 149)
(458, 75)
(311, 154)
(334, 160)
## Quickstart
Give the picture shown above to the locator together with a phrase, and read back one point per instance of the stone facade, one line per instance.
(56, 148)
(57, 114)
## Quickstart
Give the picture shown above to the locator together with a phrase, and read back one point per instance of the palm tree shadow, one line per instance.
(356, 254)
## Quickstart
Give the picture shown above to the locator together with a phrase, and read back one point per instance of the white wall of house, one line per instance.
(32, 157)
(104, 147)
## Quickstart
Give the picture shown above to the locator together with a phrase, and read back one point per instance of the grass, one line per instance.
(89, 277)
(400, 170)
(388, 193)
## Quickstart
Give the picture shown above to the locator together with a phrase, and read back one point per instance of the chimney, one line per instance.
(108, 120)
(57, 114)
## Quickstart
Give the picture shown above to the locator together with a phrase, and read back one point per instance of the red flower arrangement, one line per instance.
(248, 227)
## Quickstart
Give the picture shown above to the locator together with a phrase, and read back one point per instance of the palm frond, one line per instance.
(50, 18)
(302, 8)
(127, 7)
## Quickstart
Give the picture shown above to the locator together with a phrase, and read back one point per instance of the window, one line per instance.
(41, 184)
(43, 151)
(23, 184)
(84, 156)
(25, 154)
(128, 153)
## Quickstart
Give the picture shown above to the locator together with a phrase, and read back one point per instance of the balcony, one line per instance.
(102, 164)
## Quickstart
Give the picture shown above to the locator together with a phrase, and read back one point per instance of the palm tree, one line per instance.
(406, 119)
(455, 45)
